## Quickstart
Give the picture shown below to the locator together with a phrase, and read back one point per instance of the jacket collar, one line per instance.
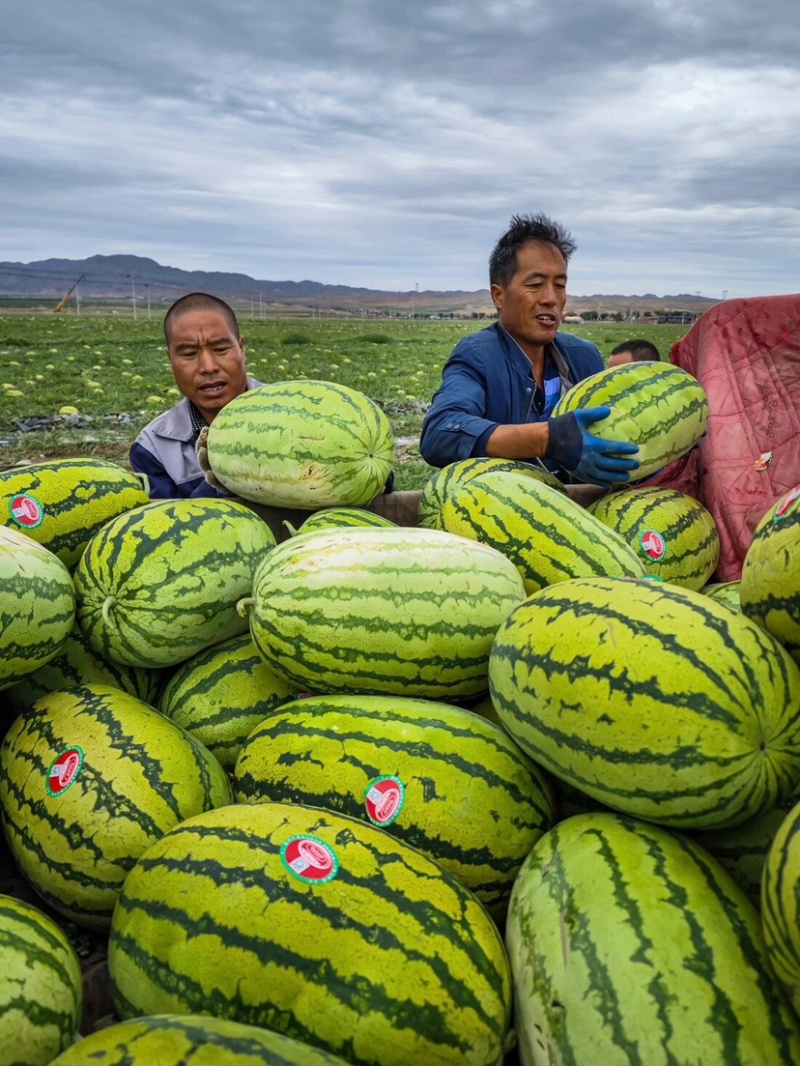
(176, 424)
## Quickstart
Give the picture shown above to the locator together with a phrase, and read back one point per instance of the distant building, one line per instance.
(575, 320)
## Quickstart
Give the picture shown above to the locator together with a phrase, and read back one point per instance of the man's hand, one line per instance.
(589, 458)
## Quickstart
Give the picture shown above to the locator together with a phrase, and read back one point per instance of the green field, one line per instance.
(115, 372)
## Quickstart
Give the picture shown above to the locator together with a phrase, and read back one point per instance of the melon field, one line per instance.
(114, 371)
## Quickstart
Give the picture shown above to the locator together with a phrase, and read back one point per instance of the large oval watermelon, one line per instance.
(315, 925)
(62, 503)
(409, 612)
(304, 444)
(89, 778)
(652, 699)
(780, 906)
(658, 406)
(160, 583)
(37, 606)
(631, 946)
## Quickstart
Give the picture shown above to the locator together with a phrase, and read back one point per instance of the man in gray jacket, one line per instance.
(206, 356)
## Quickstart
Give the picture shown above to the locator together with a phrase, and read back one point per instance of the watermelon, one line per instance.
(62, 503)
(651, 699)
(221, 694)
(770, 586)
(547, 536)
(79, 664)
(657, 406)
(742, 849)
(304, 444)
(444, 780)
(315, 925)
(443, 482)
(160, 583)
(408, 612)
(780, 893)
(675, 537)
(727, 592)
(630, 946)
(41, 986)
(89, 778)
(191, 1040)
(340, 518)
(37, 606)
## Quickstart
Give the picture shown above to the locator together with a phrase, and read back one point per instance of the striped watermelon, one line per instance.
(407, 612)
(160, 583)
(41, 987)
(780, 892)
(191, 1040)
(89, 778)
(222, 694)
(315, 925)
(742, 849)
(770, 587)
(546, 535)
(675, 537)
(78, 664)
(304, 444)
(652, 699)
(655, 405)
(62, 503)
(727, 592)
(340, 518)
(443, 482)
(444, 780)
(633, 947)
(37, 606)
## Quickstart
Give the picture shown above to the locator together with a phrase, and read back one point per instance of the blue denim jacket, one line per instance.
(486, 383)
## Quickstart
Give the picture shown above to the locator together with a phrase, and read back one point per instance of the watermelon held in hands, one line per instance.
(302, 444)
(658, 406)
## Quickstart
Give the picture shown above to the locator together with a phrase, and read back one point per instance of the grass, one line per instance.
(115, 372)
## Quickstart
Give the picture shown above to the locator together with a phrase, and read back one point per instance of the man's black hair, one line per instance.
(200, 301)
(521, 230)
(642, 351)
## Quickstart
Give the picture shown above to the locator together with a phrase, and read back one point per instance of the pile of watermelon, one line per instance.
(396, 796)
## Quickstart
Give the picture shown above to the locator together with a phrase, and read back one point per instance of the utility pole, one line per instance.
(724, 294)
(147, 288)
(260, 304)
(77, 301)
(133, 295)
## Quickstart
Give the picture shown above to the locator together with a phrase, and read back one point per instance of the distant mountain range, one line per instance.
(118, 277)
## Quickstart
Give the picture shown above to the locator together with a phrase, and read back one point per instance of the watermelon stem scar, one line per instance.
(108, 603)
(243, 606)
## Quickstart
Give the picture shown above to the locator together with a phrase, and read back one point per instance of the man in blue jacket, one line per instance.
(206, 356)
(499, 386)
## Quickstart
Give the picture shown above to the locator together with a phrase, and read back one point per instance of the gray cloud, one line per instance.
(382, 145)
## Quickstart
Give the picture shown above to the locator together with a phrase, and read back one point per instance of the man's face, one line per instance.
(207, 359)
(531, 305)
(620, 358)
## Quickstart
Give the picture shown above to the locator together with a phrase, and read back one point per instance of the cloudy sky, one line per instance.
(384, 144)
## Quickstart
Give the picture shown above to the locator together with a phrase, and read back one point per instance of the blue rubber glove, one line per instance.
(589, 458)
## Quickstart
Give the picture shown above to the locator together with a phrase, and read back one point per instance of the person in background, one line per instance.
(500, 385)
(207, 357)
(634, 352)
